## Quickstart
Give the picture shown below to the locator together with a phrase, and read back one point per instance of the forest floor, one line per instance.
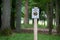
(40, 30)
(29, 36)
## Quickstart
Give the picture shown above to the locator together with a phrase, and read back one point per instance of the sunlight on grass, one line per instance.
(41, 24)
(31, 26)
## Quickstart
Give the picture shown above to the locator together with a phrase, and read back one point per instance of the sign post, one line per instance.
(35, 29)
(35, 16)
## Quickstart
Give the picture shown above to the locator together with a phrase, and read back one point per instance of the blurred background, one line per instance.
(16, 19)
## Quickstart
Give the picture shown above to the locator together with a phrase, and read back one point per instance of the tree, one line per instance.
(6, 12)
(58, 16)
(50, 16)
(26, 19)
(13, 13)
(18, 15)
(0, 12)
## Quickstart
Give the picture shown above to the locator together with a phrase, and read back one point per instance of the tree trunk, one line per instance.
(26, 20)
(50, 16)
(0, 17)
(18, 15)
(6, 12)
(13, 14)
(0, 12)
(58, 16)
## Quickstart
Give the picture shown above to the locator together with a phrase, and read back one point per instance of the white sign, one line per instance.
(35, 12)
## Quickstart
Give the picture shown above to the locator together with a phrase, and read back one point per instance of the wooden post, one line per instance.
(35, 29)
(35, 16)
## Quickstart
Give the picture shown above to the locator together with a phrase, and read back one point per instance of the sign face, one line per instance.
(35, 12)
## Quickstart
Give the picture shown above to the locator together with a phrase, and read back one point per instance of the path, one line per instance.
(40, 30)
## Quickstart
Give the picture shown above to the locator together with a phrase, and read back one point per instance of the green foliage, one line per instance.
(39, 3)
(32, 3)
(42, 16)
(6, 32)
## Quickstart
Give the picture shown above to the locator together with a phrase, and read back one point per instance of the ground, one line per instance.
(40, 30)
(29, 36)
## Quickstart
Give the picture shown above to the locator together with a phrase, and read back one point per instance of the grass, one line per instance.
(26, 36)
(31, 26)
(26, 25)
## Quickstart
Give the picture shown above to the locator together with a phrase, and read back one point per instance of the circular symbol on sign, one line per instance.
(35, 13)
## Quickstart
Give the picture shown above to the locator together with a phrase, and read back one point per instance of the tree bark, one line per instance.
(6, 12)
(13, 14)
(50, 16)
(18, 15)
(0, 12)
(58, 16)
(26, 20)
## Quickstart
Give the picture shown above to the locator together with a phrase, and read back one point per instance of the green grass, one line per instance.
(32, 25)
(26, 36)
(26, 25)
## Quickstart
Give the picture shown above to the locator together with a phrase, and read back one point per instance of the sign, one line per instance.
(35, 12)
(35, 16)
